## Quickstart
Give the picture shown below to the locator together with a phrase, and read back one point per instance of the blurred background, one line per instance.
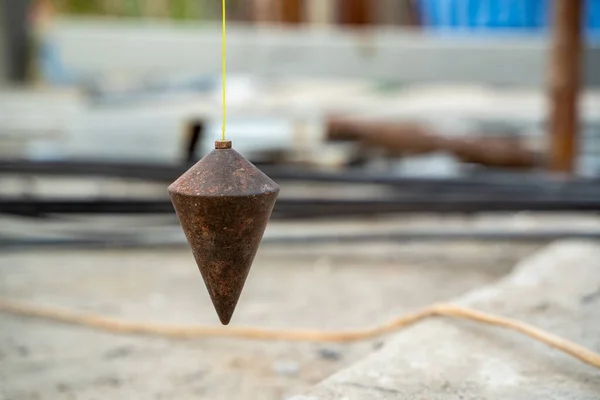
(423, 147)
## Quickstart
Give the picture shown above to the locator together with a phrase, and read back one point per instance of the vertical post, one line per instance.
(356, 12)
(292, 11)
(388, 12)
(565, 64)
(397, 12)
(265, 11)
(413, 16)
(237, 10)
(16, 30)
(320, 12)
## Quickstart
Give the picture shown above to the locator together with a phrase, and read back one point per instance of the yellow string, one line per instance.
(224, 56)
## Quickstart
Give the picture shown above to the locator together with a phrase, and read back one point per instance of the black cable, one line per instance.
(109, 241)
(318, 208)
(515, 182)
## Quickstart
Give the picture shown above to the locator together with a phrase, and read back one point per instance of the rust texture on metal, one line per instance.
(223, 203)
(565, 75)
(399, 139)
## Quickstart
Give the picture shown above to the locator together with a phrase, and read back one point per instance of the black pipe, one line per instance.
(116, 241)
(314, 208)
(517, 184)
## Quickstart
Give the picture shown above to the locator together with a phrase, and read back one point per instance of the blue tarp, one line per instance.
(532, 15)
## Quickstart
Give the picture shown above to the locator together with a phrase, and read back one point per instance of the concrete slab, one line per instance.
(317, 286)
(556, 289)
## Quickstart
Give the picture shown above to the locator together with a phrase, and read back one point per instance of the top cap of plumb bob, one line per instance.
(222, 144)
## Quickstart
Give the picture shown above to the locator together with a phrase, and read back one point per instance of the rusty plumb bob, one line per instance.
(223, 203)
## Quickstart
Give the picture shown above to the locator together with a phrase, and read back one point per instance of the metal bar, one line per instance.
(398, 236)
(515, 182)
(564, 84)
(312, 208)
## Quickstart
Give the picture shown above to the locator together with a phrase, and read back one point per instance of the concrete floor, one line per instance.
(325, 286)
(557, 289)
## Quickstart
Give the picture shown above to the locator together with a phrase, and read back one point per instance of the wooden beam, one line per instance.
(565, 65)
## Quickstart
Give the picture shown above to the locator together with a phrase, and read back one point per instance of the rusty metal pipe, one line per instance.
(398, 139)
(565, 66)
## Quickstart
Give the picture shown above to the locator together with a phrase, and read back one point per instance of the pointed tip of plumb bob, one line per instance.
(225, 320)
(224, 204)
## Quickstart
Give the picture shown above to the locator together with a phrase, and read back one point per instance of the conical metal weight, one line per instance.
(223, 203)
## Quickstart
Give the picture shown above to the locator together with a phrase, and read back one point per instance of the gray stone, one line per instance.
(555, 289)
(111, 380)
(118, 352)
(288, 368)
(330, 353)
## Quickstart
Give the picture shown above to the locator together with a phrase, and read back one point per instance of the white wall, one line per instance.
(92, 47)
